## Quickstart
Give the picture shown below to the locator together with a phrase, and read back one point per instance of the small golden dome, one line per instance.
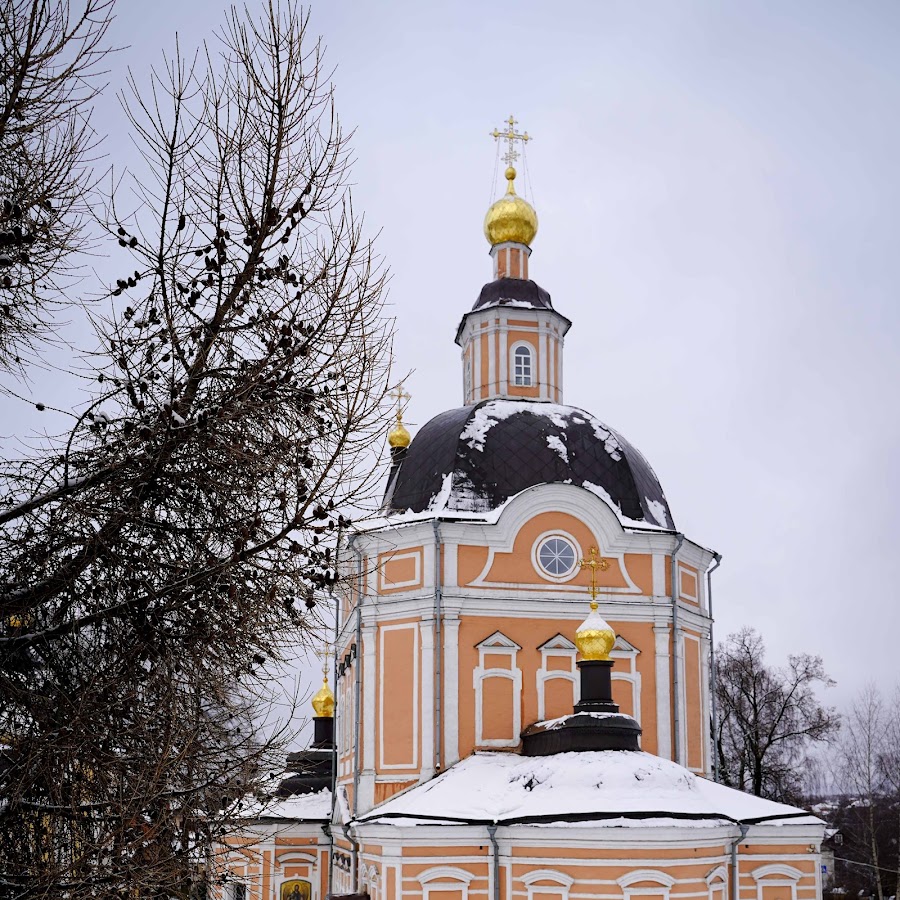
(398, 436)
(594, 637)
(511, 218)
(323, 702)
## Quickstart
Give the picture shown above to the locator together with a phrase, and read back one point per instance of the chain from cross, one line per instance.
(594, 563)
(399, 395)
(511, 136)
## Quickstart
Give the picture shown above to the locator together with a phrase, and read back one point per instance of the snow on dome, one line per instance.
(608, 784)
(475, 458)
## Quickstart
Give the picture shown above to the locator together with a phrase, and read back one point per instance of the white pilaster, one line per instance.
(659, 574)
(370, 692)
(450, 712)
(706, 745)
(663, 693)
(476, 364)
(426, 636)
(492, 360)
(681, 757)
(543, 353)
(504, 357)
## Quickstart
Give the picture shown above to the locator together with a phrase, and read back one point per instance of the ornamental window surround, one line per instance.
(523, 364)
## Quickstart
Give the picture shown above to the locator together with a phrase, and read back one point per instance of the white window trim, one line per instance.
(536, 562)
(784, 876)
(717, 883)
(558, 647)
(445, 878)
(662, 879)
(625, 651)
(532, 359)
(497, 644)
(560, 886)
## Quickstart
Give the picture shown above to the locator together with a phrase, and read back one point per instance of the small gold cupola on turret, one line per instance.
(511, 219)
(594, 637)
(323, 701)
(399, 437)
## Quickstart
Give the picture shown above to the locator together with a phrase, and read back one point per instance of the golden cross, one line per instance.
(325, 653)
(511, 136)
(593, 564)
(399, 395)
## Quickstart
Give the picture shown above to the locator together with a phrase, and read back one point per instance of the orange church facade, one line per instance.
(458, 634)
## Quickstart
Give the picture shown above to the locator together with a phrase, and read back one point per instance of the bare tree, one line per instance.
(768, 717)
(172, 540)
(867, 773)
(50, 58)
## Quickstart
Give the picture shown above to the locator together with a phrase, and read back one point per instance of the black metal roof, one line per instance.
(513, 291)
(495, 449)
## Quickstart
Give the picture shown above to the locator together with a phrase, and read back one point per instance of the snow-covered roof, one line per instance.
(607, 786)
(300, 807)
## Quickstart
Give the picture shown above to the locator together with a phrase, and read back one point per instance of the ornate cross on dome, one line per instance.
(594, 563)
(511, 136)
(399, 395)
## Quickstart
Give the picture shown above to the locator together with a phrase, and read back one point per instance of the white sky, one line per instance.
(718, 193)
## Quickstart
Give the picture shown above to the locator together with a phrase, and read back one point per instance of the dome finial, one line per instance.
(323, 701)
(398, 436)
(511, 219)
(594, 637)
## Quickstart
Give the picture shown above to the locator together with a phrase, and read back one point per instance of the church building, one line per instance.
(522, 672)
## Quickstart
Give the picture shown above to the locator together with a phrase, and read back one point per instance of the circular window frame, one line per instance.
(536, 559)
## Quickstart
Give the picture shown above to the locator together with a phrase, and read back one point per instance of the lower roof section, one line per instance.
(505, 788)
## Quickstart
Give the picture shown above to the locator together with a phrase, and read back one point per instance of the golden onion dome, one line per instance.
(511, 218)
(323, 702)
(398, 436)
(594, 637)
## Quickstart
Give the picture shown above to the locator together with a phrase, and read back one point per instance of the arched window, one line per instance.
(523, 366)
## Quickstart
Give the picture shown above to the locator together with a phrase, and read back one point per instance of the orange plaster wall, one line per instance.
(398, 647)
(640, 568)
(517, 567)
(559, 697)
(384, 790)
(497, 715)
(470, 561)
(692, 705)
(531, 634)
(689, 583)
(400, 567)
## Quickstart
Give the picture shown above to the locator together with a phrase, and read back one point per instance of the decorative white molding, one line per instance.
(776, 875)
(382, 718)
(450, 632)
(638, 875)
(559, 883)
(497, 644)
(444, 873)
(426, 642)
(416, 556)
(778, 869)
(558, 647)
(663, 692)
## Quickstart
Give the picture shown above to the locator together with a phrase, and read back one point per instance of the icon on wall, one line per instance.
(296, 889)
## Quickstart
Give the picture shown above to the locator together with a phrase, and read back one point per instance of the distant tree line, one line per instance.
(773, 737)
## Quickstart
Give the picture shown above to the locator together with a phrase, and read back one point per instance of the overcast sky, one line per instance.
(718, 193)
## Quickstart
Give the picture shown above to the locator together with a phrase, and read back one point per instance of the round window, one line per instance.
(557, 557)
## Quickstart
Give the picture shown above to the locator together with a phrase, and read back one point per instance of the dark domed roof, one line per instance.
(474, 458)
(513, 292)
